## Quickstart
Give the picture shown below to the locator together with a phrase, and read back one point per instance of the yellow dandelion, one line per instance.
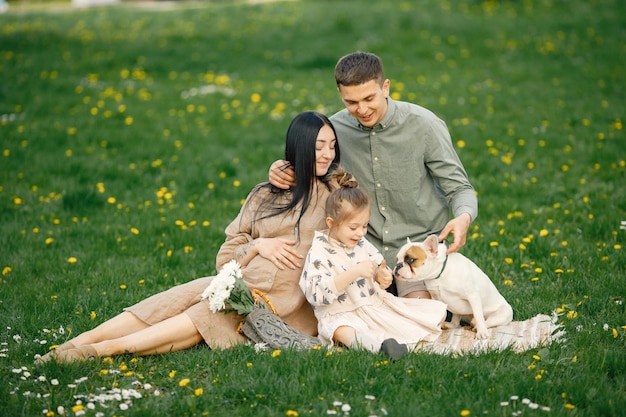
(134, 230)
(77, 408)
(617, 246)
(570, 406)
(572, 314)
(522, 246)
(172, 374)
(465, 413)
(123, 286)
(460, 144)
(543, 232)
(6, 270)
(184, 382)
(276, 353)
(508, 260)
(92, 315)
(615, 334)
(198, 392)
(72, 260)
(292, 413)
(236, 183)
(493, 244)
(111, 200)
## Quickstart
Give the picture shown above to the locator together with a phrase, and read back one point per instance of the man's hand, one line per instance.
(458, 227)
(282, 175)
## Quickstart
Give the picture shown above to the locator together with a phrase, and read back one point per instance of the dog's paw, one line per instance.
(482, 334)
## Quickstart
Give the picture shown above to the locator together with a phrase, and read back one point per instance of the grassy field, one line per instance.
(130, 135)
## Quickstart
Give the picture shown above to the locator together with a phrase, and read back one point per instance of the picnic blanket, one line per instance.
(540, 330)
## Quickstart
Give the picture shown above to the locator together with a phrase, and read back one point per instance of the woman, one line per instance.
(269, 238)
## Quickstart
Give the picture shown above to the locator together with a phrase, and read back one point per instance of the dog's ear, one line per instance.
(431, 244)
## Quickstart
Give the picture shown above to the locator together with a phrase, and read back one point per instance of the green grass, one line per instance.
(130, 136)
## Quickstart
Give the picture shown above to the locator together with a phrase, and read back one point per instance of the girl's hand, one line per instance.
(365, 269)
(281, 252)
(384, 276)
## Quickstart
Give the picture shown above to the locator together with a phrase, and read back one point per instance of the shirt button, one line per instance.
(373, 133)
(375, 158)
(378, 185)
(382, 208)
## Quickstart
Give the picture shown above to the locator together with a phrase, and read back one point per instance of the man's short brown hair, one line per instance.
(358, 68)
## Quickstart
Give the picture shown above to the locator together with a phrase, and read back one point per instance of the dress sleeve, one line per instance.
(240, 231)
(317, 281)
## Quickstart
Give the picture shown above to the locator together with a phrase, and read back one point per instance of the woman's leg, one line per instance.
(170, 335)
(121, 325)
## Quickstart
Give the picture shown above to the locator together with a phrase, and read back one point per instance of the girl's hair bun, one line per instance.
(345, 179)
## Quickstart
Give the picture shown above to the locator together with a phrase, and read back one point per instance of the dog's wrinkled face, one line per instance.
(410, 258)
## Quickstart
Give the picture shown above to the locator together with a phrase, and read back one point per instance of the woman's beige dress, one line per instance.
(280, 286)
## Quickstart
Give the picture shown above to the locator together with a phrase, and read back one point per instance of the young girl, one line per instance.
(344, 278)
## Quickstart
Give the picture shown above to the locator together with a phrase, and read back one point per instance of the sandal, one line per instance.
(79, 354)
(51, 355)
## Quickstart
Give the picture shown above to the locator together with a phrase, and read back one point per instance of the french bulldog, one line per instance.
(456, 281)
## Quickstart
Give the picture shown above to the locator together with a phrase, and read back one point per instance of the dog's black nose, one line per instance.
(398, 266)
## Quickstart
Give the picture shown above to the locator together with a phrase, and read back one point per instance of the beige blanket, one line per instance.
(540, 330)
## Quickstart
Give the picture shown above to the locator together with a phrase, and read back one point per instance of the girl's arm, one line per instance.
(365, 269)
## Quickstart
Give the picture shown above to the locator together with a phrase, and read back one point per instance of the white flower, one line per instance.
(228, 288)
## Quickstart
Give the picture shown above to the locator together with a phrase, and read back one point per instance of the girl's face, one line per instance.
(324, 150)
(352, 229)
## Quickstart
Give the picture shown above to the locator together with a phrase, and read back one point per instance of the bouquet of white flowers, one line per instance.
(228, 288)
(261, 325)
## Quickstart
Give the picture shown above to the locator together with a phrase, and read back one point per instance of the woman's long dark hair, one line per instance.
(300, 144)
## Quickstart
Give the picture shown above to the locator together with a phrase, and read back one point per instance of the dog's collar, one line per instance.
(445, 261)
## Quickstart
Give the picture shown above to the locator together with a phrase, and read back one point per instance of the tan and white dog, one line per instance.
(456, 281)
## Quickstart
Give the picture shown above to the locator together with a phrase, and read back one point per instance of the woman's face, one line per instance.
(324, 150)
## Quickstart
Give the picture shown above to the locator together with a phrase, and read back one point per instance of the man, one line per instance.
(403, 156)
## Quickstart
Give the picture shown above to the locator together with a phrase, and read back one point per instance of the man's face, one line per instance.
(367, 102)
